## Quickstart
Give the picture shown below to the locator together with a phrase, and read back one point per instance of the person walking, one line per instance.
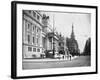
(70, 57)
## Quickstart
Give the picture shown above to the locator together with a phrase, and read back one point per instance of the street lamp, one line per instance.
(53, 37)
(53, 45)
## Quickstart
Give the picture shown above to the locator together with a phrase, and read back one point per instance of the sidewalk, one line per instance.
(48, 60)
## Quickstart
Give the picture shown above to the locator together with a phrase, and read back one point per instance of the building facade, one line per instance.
(37, 34)
(32, 34)
(72, 44)
(61, 44)
(46, 42)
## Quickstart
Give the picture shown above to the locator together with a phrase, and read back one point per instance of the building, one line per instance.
(50, 37)
(37, 34)
(32, 34)
(72, 44)
(61, 44)
(46, 29)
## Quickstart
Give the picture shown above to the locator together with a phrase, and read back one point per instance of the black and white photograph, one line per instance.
(53, 39)
(56, 39)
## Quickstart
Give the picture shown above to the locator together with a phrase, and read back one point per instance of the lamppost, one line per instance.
(53, 43)
(53, 38)
(53, 48)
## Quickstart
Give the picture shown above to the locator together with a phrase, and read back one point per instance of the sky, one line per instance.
(63, 24)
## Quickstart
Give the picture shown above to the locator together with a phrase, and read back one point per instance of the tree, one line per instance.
(87, 48)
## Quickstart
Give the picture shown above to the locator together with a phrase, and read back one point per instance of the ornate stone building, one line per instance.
(72, 44)
(37, 35)
(32, 34)
(61, 44)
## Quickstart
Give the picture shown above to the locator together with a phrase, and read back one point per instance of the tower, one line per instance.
(72, 44)
(72, 34)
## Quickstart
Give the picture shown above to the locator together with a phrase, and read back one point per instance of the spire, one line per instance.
(72, 29)
(72, 34)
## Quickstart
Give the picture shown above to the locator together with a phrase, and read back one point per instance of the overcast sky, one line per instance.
(81, 22)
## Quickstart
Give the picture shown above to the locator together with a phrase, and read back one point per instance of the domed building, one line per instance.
(72, 44)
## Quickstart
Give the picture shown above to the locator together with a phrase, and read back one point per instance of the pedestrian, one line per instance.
(63, 56)
(70, 57)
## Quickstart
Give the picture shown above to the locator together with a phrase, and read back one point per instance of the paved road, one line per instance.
(77, 62)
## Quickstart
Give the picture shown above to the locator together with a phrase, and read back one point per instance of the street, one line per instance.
(77, 62)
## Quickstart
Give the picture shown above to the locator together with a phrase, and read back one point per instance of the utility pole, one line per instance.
(65, 47)
(53, 37)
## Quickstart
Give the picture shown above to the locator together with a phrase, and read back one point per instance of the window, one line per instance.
(28, 26)
(37, 40)
(29, 48)
(25, 25)
(33, 40)
(28, 38)
(59, 44)
(34, 49)
(38, 17)
(29, 11)
(37, 30)
(34, 14)
(33, 28)
(38, 50)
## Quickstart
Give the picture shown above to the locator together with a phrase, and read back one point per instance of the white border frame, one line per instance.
(51, 71)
